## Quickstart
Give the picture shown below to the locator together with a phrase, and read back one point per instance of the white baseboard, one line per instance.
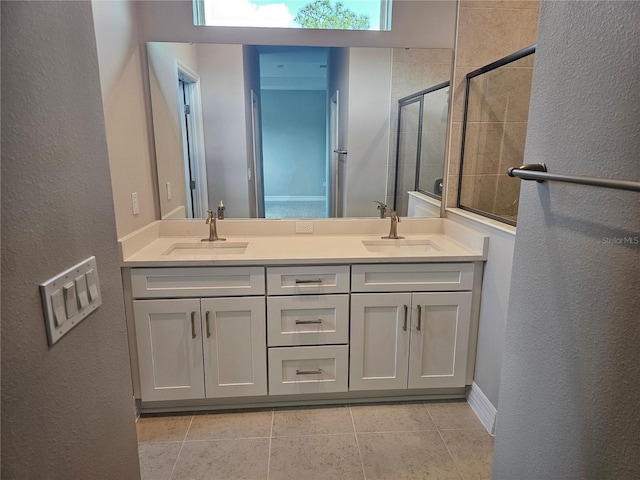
(483, 408)
(294, 198)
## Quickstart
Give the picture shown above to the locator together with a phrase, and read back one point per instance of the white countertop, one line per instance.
(272, 242)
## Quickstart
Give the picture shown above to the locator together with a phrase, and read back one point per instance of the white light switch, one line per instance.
(135, 206)
(57, 303)
(69, 297)
(81, 291)
(92, 285)
(169, 195)
(70, 304)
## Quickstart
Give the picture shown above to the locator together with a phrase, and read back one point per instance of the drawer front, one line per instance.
(308, 320)
(308, 369)
(435, 277)
(197, 282)
(307, 280)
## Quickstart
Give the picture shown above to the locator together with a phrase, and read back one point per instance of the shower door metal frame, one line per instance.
(487, 68)
(403, 102)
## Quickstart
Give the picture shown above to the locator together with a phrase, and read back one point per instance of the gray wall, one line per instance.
(569, 403)
(67, 411)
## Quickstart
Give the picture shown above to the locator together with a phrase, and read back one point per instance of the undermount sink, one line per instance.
(400, 246)
(207, 248)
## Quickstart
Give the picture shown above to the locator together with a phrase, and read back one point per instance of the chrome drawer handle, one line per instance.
(419, 317)
(309, 372)
(406, 313)
(193, 327)
(303, 282)
(308, 322)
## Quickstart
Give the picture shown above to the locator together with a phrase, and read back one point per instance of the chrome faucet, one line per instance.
(383, 208)
(213, 231)
(393, 231)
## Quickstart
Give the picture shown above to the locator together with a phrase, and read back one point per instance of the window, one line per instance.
(314, 14)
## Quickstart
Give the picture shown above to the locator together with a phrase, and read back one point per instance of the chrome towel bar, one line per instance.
(538, 172)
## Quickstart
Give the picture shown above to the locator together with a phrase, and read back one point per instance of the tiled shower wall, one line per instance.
(487, 31)
(412, 70)
(496, 128)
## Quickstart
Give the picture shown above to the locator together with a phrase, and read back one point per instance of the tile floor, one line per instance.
(441, 440)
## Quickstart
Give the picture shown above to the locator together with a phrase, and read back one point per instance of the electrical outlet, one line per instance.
(169, 195)
(304, 227)
(134, 203)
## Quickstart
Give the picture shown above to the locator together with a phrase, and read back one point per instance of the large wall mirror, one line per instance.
(291, 132)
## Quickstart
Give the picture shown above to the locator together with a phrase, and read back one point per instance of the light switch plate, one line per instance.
(66, 293)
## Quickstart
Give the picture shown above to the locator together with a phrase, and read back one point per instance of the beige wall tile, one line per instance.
(515, 134)
(528, 26)
(507, 196)
(486, 35)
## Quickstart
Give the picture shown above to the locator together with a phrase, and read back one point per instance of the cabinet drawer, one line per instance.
(424, 277)
(307, 280)
(308, 369)
(308, 320)
(197, 282)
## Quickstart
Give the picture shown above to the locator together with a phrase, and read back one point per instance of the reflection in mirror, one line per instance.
(421, 145)
(285, 132)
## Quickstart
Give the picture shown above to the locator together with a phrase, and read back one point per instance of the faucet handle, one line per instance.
(382, 207)
(209, 216)
(393, 214)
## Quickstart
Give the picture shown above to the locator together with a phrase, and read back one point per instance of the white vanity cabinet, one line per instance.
(308, 329)
(194, 348)
(300, 332)
(404, 339)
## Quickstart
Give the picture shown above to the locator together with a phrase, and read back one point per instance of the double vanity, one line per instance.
(275, 317)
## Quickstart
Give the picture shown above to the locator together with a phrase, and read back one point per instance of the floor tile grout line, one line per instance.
(273, 414)
(355, 434)
(175, 464)
(455, 465)
(314, 435)
(232, 439)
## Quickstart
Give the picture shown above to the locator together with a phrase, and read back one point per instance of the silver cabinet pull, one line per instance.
(309, 372)
(206, 316)
(419, 317)
(193, 324)
(308, 322)
(303, 282)
(406, 314)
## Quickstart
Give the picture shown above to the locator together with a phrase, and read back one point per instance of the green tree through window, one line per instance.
(326, 15)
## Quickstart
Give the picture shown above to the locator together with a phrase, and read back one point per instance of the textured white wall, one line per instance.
(225, 128)
(569, 403)
(163, 84)
(123, 80)
(368, 130)
(67, 411)
(496, 283)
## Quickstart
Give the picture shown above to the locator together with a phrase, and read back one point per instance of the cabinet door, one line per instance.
(168, 336)
(439, 339)
(379, 341)
(235, 346)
